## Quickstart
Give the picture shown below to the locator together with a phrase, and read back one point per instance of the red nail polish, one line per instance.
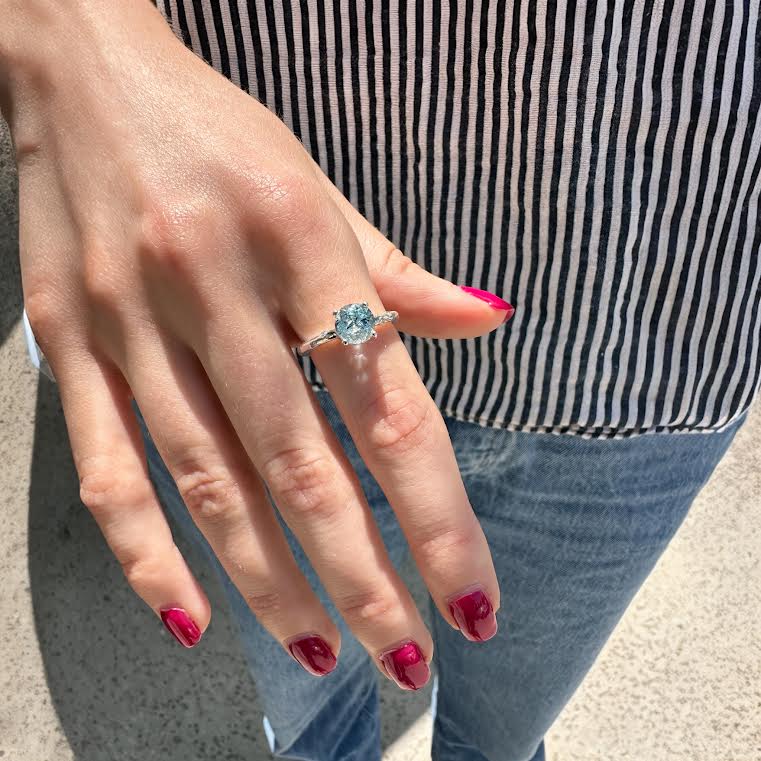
(406, 665)
(474, 615)
(313, 653)
(181, 625)
(492, 300)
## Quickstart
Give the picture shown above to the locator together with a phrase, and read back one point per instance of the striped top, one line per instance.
(595, 163)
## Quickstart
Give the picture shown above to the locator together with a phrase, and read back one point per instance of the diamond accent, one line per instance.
(355, 323)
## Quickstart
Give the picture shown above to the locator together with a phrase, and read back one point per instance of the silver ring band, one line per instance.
(347, 335)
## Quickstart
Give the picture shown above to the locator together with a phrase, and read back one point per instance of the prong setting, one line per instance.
(354, 324)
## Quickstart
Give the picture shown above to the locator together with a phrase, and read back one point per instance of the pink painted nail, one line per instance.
(474, 615)
(492, 300)
(406, 665)
(181, 625)
(313, 653)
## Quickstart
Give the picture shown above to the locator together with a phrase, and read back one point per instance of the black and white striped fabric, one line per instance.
(595, 163)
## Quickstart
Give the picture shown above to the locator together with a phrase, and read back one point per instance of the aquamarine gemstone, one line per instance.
(354, 323)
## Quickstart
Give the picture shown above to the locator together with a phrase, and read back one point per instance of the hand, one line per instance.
(176, 242)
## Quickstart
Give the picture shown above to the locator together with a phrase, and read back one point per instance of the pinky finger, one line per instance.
(115, 486)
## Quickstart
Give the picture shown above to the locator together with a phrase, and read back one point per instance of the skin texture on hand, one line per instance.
(176, 243)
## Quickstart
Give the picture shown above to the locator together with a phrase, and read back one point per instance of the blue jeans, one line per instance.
(574, 525)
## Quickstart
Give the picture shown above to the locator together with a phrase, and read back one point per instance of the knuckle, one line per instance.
(290, 192)
(445, 544)
(209, 496)
(303, 481)
(265, 605)
(103, 488)
(101, 284)
(143, 571)
(290, 204)
(398, 421)
(43, 312)
(364, 609)
(28, 152)
(172, 237)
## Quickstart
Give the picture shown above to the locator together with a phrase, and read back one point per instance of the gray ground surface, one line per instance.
(87, 673)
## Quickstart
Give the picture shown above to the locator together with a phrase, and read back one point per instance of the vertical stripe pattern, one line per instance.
(596, 163)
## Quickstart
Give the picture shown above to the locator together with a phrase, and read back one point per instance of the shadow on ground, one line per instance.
(121, 687)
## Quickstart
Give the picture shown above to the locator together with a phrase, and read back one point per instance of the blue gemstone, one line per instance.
(355, 323)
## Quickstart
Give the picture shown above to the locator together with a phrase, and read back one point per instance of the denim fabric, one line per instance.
(575, 526)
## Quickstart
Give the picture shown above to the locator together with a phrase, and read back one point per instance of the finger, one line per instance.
(428, 305)
(115, 486)
(431, 306)
(313, 485)
(227, 501)
(400, 435)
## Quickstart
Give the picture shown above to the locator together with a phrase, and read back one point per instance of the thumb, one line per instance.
(428, 305)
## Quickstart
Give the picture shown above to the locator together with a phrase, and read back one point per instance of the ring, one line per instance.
(354, 324)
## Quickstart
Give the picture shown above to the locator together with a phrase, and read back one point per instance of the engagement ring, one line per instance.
(354, 324)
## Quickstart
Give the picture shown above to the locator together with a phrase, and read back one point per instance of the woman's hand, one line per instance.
(176, 242)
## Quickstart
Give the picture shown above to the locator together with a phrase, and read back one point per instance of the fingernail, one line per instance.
(181, 625)
(314, 654)
(474, 615)
(406, 665)
(492, 300)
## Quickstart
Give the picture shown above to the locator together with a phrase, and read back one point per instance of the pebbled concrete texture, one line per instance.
(88, 674)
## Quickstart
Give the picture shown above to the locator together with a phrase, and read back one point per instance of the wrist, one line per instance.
(46, 45)
(33, 35)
